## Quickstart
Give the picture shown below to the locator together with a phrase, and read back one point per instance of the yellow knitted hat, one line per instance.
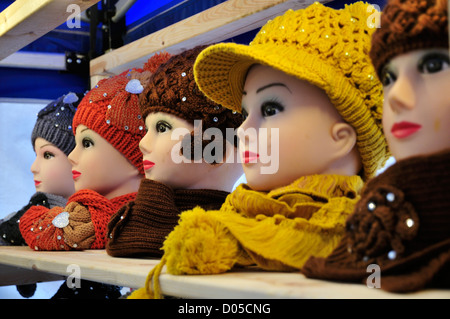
(327, 47)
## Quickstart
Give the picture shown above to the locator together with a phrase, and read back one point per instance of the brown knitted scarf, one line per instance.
(141, 226)
(402, 224)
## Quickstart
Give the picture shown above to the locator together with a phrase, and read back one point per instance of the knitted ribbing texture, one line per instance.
(141, 226)
(54, 122)
(111, 109)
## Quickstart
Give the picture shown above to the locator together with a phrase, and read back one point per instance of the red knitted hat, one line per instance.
(111, 109)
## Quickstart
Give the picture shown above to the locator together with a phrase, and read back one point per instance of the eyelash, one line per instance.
(87, 142)
(162, 126)
(48, 155)
(433, 57)
(388, 76)
(272, 104)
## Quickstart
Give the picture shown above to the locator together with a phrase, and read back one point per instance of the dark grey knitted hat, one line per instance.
(54, 122)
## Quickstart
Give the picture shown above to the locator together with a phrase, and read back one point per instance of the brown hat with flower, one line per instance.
(409, 25)
(401, 224)
(172, 89)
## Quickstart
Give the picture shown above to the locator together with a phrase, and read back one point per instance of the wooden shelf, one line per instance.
(96, 265)
(216, 24)
(25, 21)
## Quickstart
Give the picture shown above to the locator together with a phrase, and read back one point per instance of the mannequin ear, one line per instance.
(344, 137)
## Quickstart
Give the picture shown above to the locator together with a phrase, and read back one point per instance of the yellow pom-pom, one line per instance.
(200, 244)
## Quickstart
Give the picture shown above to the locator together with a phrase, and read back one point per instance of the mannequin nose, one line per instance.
(402, 95)
(72, 157)
(34, 167)
(248, 137)
(246, 132)
(144, 144)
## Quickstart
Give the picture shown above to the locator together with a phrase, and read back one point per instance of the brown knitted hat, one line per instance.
(401, 224)
(408, 25)
(172, 89)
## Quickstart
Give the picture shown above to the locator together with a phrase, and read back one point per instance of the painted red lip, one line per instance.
(36, 183)
(148, 164)
(404, 129)
(250, 156)
(75, 174)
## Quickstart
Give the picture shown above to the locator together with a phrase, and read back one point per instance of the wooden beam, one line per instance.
(35, 60)
(25, 21)
(215, 24)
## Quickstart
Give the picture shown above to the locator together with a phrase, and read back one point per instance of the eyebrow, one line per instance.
(269, 86)
(85, 129)
(48, 144)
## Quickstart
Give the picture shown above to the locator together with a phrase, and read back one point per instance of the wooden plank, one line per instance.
(96, 265)
(215, 24)
(35, 60)
(25, 21)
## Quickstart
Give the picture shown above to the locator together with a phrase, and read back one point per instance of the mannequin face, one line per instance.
(416, 111)
(161, 151)
(98, 166)
(52, 170)
(304, 117)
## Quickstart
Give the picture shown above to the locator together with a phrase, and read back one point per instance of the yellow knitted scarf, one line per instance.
(278, 230)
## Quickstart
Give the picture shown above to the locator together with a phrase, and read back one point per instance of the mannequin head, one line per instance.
(312, 137)
(161, 146)
(98, 166)
(52, 139)
(51, 170)
(108, 127)
(178, 119)
(416, 114)
(410, 54)
(320, 70)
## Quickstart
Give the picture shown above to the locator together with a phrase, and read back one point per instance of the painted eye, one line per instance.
(433, 63)
(387, 77)
(48, 155)
(271, 108)
(162, 127)
(87, 143)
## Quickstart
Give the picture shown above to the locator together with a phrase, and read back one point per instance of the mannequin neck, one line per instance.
(348, 165)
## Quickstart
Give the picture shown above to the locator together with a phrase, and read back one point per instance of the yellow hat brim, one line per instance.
(220, 70)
